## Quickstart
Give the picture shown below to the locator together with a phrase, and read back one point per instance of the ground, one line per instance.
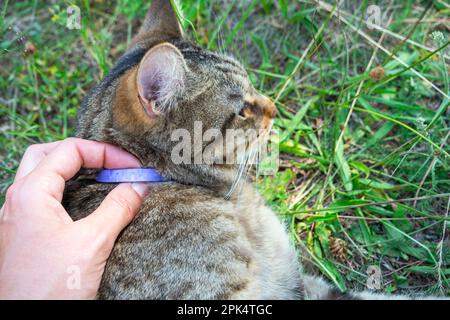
(363, 119)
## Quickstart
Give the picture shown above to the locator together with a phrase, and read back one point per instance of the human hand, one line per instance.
(44, 254)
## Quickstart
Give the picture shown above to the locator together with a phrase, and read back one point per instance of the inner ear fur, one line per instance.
(160, 78)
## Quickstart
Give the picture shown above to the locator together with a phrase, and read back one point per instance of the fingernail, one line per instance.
(140, 188)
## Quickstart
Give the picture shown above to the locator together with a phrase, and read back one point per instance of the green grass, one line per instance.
(364, 172)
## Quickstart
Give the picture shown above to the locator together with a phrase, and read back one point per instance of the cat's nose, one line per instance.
(268, 107)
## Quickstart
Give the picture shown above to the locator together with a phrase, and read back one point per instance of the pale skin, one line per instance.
(44, 254)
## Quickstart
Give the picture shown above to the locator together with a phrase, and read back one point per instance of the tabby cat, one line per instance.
(189, 240)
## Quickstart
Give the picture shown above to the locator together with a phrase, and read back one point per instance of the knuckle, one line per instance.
(106, 245)
(87, 233)
(91, 231)
(32, 149)
(97, 238)
(45, 182)
(11, 193)
(124, 205)
(70, 140)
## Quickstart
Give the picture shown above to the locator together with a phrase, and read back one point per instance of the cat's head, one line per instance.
(164, 88)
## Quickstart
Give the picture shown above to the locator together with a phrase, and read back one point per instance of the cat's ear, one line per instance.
(161, 20)
(161, 78)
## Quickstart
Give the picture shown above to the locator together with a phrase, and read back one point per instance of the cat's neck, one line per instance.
(216, 179)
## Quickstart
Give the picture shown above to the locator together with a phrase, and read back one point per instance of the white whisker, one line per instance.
(251, 156)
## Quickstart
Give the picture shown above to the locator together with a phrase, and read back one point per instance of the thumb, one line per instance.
(118, 209)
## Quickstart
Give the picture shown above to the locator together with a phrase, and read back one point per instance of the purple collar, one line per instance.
(129, 175)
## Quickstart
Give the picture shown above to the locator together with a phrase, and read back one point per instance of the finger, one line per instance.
(72, 154)
(33, 156)
(68, 157)
(117, 210)
(2, 210)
